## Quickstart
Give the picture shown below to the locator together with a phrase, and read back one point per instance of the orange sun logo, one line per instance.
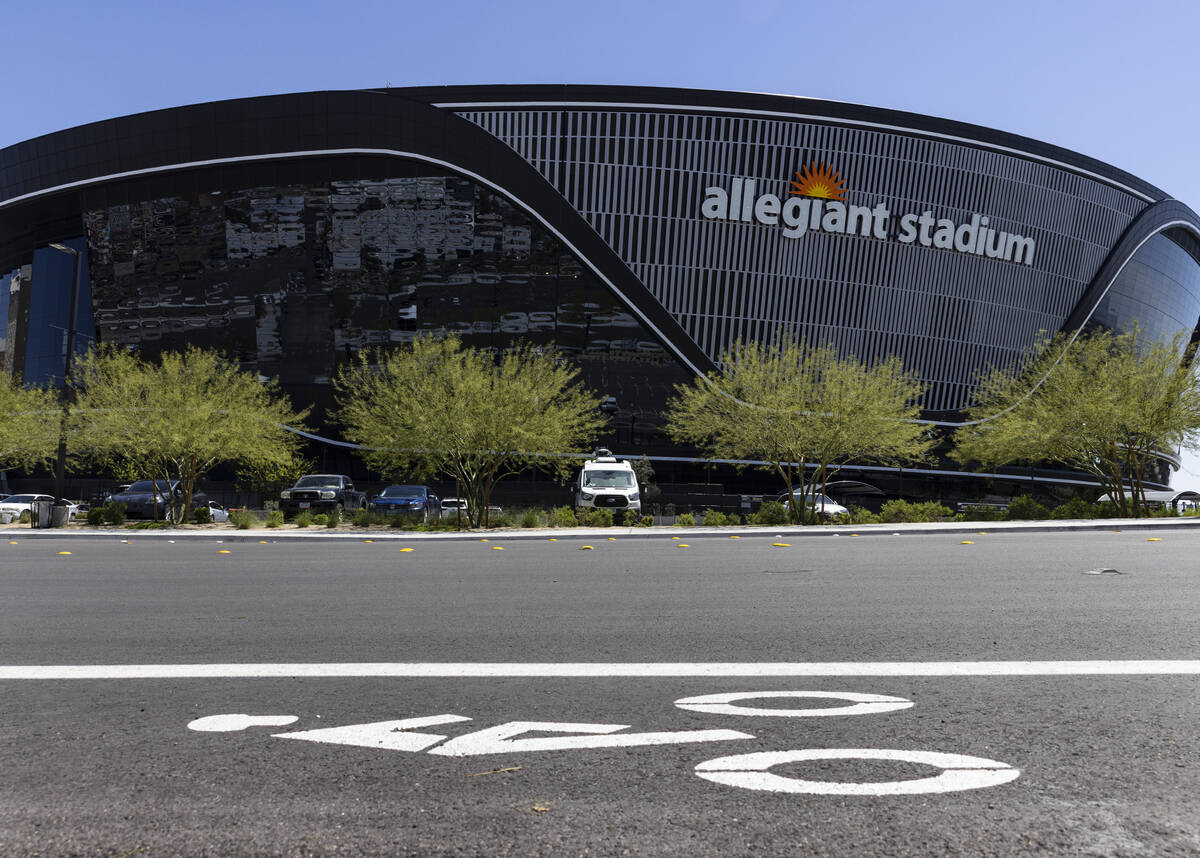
(818, 181)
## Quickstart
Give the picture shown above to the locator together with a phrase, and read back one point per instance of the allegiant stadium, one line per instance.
(638, 231)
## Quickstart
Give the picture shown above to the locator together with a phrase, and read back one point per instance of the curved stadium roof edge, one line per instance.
(501, 96)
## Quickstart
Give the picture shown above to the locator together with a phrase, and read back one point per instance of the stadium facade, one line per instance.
(639, 230)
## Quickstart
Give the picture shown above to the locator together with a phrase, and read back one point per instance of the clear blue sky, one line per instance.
(1118, 81)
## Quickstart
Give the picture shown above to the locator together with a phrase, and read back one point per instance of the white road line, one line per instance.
(516, 670)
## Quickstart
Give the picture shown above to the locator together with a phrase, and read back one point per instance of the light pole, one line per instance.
(60, 520)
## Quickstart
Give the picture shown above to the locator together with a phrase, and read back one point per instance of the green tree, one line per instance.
(178, 418)
(1104, 403)
(437, 408)
(798, 407)
(29, 424)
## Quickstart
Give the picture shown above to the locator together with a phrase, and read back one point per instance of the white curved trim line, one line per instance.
(392, 153)
(780, 114)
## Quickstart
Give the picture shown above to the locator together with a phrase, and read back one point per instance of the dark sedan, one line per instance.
(140, 500)
(414, 500)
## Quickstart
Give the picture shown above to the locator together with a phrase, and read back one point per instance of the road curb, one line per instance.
(744, 532)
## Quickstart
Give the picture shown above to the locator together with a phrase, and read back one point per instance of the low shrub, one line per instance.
(644, 521)
(899, 511)
(1164, 512)
(361, 518)
(320, 519)
(599, 518)
(243, 519)
(862, 515)
(685, 519)
(203, 515)
(1074, 508)
(1025, 508)
(304, 519)
(531, 518)
(500, 519)
(275, 518)
(148, 525)
(334, 518)
(25, 517)
(715, 518)
(95, 515)
(982, 512)
(771, 512)
(563, 516)
(114, 513)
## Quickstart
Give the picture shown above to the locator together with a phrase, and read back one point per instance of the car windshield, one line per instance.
(317, 482)
(20, 499)
(147, 486)
(607, 480)
(402, 491)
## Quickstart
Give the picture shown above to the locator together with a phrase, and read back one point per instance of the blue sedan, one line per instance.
(414, 500)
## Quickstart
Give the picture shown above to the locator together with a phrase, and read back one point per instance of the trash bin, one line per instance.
(39, 513)
(60, 514)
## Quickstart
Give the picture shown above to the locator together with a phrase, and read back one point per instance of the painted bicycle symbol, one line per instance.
(746, 771)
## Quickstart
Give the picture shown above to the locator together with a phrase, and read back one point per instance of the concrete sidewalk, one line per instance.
(285, 534)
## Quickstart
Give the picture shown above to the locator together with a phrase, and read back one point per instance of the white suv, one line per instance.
(607, 482)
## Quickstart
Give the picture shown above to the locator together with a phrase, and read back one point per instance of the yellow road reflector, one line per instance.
(612, 539)
(735, 537)
(64, 552)
(262, 542)
(406, 549)
(223, 551)
(674, 537)
(587, 548)
(13, 542)
(1154, 539)
(497, 548)
(781, 544)
(554, 539)
(483, 540)
(683, 545)
(983, 533)
(966, 542)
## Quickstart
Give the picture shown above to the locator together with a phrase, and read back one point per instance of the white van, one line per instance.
(607, 482)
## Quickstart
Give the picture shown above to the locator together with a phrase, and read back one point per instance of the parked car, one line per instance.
(609, 483)
(322, 493)
(152, 498)
(453, 507)
(825, 506)
(218, 512)
(414, 500)
(14, 505)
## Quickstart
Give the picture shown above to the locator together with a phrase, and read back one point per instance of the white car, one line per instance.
(823, 505)
(218, 512)
(14, 505)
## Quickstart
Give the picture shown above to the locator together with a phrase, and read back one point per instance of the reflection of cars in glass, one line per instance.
(141, 502)
(825, 506)
(415, 500)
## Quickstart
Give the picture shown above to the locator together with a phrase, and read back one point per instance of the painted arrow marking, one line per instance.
(500, 740)
(390, 735)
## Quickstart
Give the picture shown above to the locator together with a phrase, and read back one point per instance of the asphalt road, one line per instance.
(1072, 759)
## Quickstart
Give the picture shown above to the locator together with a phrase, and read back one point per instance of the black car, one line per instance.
(140, 500)
(322, 493)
